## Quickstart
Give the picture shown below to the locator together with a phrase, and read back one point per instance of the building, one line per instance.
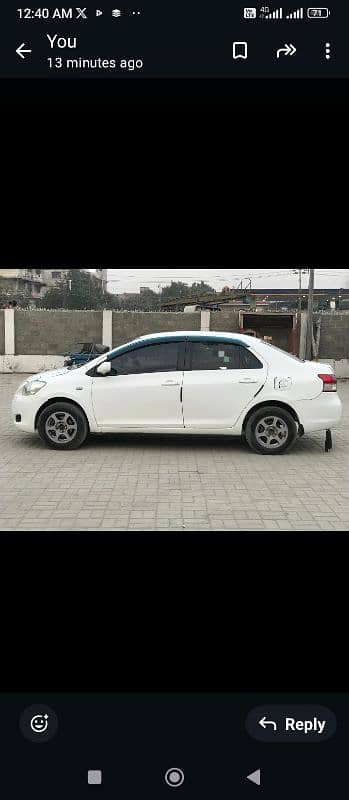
(29, 283)
(264, 299)
(54, 276)
(102, 275)
(22, 283)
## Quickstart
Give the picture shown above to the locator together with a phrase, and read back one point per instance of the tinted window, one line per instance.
(221, 355)
(153, 358)
(248, 360)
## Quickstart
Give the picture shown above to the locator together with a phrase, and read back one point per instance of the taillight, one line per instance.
(329, 383)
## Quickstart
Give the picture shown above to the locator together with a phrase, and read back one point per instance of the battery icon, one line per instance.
(318, 13)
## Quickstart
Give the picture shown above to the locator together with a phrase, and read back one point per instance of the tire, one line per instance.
(74, 428)
(260, 435)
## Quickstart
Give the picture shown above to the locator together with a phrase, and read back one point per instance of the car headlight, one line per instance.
(33, 387)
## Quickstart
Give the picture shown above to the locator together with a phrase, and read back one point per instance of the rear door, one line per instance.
(220, 381)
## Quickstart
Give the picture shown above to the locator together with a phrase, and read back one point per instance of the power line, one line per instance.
(198, 278)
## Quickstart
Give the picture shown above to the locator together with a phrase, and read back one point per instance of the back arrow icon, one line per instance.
(255, 777)
(288, 50)
(21, 51)
(264, 722)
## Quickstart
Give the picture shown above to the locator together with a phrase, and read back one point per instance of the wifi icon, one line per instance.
(116, 12)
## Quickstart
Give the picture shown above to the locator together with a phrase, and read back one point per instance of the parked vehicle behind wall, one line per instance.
(82, 352)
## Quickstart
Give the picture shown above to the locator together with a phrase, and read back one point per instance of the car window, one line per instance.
(248, 360)
(152, 358)
(221, 355)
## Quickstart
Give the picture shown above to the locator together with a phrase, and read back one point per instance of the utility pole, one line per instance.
(102, 275)
(300, 292)
(301, 272)
(309, 352)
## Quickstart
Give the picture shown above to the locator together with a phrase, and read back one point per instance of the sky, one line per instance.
(129, 279)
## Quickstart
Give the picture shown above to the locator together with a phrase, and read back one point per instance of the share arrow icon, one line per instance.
(288, 50)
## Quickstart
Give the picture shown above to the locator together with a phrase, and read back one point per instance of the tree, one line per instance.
(202, 288)
(147, 300)
(78, 290)
(21, 295)
(176, 290)
(179, 290)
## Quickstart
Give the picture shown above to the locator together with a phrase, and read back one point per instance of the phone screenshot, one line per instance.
(156, 40)
(183, 745)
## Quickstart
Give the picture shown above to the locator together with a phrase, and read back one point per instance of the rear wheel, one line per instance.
(271, 431)
(63, 426)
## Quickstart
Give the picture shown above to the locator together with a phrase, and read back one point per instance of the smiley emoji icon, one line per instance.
(39, 723)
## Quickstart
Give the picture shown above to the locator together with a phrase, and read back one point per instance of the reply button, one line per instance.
(291, 723)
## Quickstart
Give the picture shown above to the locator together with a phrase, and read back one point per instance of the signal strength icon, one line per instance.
(277, 14)
(298, 14)
(116, 12)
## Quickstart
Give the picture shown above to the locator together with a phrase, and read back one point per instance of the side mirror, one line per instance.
(104, 368)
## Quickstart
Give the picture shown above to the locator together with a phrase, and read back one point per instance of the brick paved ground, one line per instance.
(170, 484)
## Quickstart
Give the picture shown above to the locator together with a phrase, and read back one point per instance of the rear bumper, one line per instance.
(320, 414)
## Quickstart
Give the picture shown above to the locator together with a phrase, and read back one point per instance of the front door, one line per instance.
(221, 380)
(143, 390)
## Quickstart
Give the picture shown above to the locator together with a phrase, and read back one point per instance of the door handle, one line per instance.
(170, 383)
(248, 380)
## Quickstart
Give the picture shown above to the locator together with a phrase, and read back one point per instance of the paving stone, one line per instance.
(170, 485)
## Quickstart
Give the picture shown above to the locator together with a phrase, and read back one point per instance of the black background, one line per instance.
(156, 612)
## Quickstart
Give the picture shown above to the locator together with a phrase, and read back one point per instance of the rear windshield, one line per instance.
(284, 352)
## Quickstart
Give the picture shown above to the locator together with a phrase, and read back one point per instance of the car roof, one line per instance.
(196, 335)
(169, 336)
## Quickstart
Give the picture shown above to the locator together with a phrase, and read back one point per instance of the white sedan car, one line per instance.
(185, 382)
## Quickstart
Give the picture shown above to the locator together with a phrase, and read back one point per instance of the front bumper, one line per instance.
(24, 410)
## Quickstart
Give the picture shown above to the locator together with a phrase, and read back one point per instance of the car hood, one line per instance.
(49, 374)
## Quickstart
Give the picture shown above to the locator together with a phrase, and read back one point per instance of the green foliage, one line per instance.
(78, 290)
(146, 301)
(82, 290)
(176, 290)
(179, 290)
(23, 299)
(201, 289)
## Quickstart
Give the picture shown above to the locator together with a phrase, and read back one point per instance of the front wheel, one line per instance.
(63, 426)
(271, 431)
